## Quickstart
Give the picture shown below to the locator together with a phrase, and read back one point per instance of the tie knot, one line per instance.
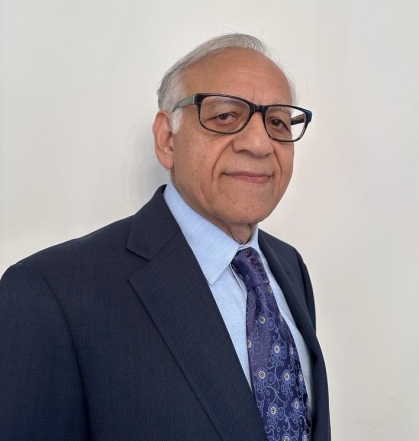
(247, 263)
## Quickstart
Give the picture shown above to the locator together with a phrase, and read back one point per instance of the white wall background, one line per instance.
(78, 82)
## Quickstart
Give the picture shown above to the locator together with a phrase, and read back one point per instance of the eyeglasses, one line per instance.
(228, 114)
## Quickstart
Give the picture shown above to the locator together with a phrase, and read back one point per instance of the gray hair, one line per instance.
(171, 87)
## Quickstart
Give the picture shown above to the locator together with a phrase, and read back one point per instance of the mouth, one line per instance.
(250, 177)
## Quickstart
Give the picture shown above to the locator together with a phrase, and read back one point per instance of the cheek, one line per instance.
(201, 156)
(285, 158)
(192, 164)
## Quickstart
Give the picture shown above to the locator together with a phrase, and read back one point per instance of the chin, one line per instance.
(250, 217)
(254, 213)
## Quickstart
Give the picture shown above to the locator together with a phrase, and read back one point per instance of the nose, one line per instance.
(254, 138)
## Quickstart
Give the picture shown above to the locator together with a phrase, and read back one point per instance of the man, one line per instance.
(150, 328)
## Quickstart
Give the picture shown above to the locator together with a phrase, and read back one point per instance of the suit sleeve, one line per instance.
(41, 395)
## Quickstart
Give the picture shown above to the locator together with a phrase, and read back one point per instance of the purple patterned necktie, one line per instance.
(277, 377)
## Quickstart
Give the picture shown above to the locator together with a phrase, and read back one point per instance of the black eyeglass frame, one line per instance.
(198, 98)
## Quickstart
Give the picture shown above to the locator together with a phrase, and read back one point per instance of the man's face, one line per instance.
(234, 181)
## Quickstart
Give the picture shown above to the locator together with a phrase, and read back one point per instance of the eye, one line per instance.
(278, 125)
(276, 122)
(223, 114)
(225, 117)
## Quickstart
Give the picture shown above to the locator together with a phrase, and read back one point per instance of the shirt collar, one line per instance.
(213, 248)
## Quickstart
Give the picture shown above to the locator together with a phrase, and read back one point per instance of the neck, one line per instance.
(240, 233)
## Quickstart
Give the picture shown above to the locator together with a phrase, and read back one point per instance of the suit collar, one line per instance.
(152, 227)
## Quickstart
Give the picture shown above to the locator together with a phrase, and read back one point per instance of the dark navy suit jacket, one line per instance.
(116, 337)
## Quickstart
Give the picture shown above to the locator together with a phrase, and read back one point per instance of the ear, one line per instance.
(163, 136)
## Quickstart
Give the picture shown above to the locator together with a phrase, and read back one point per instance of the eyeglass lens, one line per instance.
(229, 115)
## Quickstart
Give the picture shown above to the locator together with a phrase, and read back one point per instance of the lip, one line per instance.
(250, 177)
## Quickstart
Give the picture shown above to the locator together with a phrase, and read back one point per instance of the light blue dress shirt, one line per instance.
(214, 251)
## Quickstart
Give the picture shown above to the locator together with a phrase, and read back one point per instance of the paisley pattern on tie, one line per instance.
(277, 377)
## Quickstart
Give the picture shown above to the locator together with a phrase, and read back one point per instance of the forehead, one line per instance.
(240, 72)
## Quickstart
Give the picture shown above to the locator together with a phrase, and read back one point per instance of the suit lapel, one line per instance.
(176, 295)
(295, 299)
